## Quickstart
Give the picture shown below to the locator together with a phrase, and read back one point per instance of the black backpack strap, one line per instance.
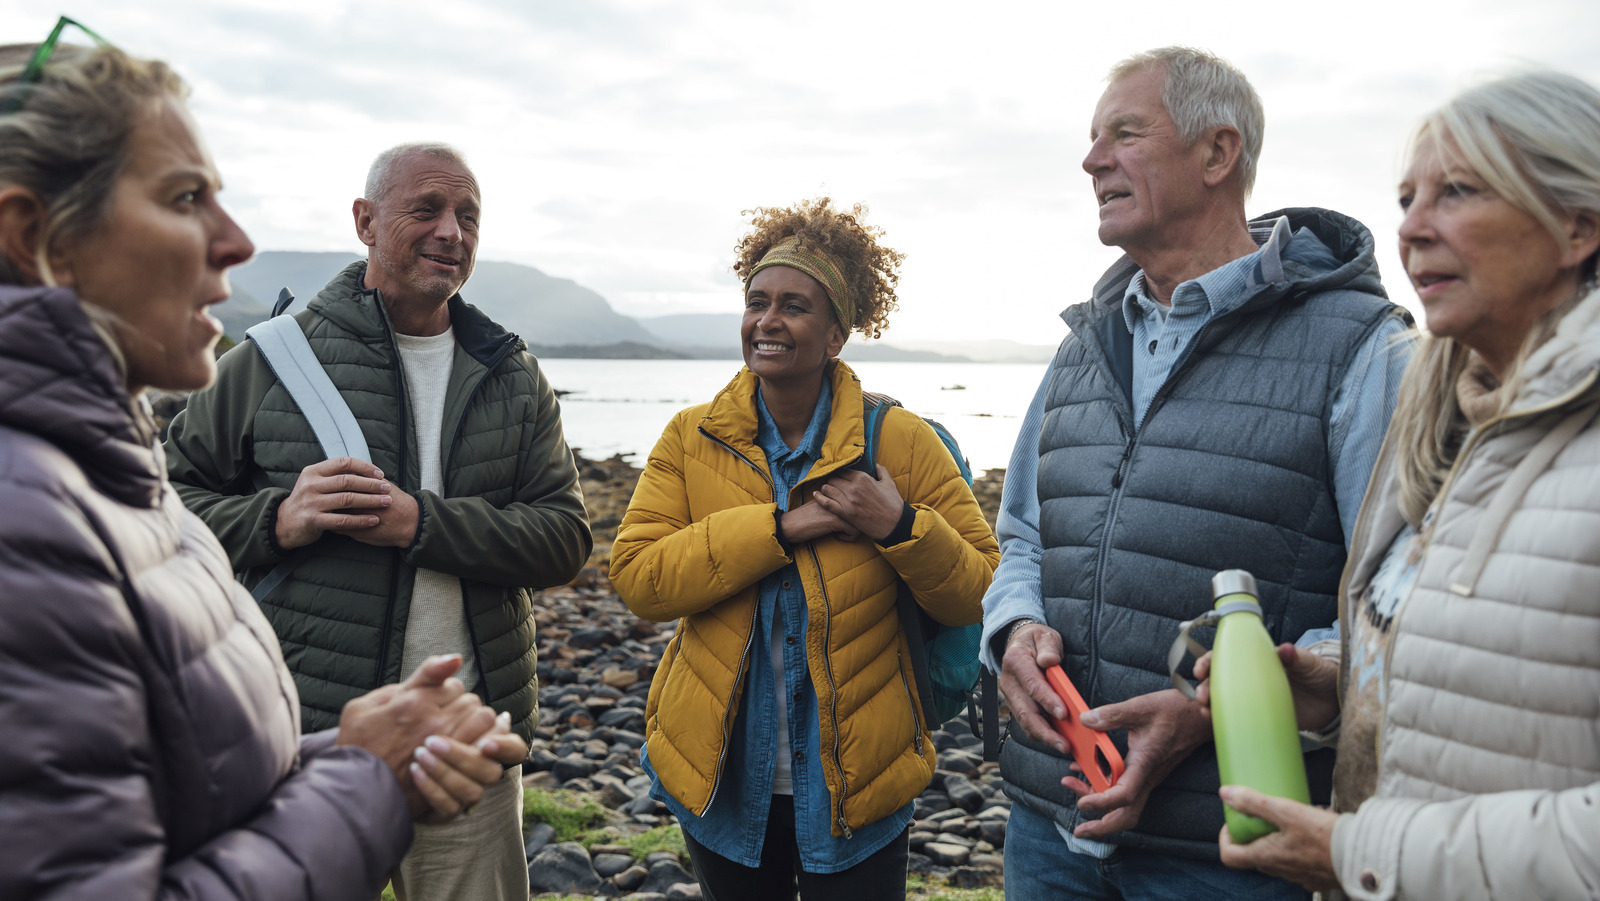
(911, 620)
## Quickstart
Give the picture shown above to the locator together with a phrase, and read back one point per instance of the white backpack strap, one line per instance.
(286, 350)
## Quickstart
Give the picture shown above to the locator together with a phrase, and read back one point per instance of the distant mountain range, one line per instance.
(560, 318)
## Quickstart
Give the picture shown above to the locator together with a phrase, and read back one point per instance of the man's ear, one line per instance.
(1224, 151)
(363, 211)
(21, 215)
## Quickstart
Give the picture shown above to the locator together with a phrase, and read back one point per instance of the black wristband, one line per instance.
(777, 532)
(902, 529)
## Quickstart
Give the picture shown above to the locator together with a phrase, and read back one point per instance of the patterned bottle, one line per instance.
(1252, 711)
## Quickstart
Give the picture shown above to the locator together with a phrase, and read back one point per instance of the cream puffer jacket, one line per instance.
(1489, 750)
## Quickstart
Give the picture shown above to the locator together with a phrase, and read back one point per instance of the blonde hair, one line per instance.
(1204, 91)
(68, 141)
(1534, 139)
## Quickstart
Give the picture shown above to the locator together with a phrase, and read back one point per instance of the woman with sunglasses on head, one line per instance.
(152, 744)
(783, 727)
(1466, 694)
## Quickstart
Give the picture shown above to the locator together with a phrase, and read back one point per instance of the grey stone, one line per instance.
(963, 793)
(684, 892)
(539, 835)
(992, 831)
(613, 794)
(631, 878)
(569, 768)
(584, 639)
(664, 874)
(946, 854)
(638, 805)
(562, 867)
(609, 865)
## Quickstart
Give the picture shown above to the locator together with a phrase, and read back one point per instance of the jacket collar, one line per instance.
(1341, 257)
(348, 303)
(58, 381)
(733, 420)
(1570, 356)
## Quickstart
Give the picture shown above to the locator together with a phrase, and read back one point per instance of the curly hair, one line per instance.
(870, 270)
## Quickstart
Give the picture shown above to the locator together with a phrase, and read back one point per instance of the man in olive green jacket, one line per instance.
(470, 503)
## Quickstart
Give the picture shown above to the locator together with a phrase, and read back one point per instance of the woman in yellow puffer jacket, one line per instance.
(783, 725)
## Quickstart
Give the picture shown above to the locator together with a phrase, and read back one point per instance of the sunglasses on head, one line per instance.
(35, 68)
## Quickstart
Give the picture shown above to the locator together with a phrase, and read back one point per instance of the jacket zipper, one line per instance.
(833, 691)
(750, 639)
(916, 714)
(1117, 479)
(444, 477)
(405, 434)
(1476, 437)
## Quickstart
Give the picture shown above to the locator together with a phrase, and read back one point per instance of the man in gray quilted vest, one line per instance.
(1218, 402)
(470, 503)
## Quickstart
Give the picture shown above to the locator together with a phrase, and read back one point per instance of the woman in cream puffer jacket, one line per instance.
(1469, 665)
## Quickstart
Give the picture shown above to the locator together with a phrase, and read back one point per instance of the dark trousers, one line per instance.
(880, 877)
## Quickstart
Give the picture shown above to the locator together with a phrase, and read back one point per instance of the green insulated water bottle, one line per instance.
(1252, 712)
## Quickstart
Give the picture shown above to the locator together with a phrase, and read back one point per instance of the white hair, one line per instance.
(1204, 91)
(380, 177)
(1533, 137)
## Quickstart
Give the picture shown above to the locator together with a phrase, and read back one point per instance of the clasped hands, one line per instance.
(847, 505)
(350, 497)
(440, 741)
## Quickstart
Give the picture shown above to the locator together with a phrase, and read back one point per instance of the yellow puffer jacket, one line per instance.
(698, 538)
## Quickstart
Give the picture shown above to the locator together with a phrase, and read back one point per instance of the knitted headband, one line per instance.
(819, 266)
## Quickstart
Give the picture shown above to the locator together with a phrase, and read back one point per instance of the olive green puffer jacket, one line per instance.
(511, 521)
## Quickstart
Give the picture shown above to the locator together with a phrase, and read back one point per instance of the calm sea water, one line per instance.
(621, 406)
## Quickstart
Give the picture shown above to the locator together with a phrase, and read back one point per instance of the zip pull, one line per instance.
(1122, 466)
(845, 827)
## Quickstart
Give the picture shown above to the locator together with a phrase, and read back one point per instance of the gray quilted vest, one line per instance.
(1230, 468)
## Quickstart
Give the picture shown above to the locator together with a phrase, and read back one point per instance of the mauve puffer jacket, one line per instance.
(149, 735)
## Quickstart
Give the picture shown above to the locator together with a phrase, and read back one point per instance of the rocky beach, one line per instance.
(592, 829)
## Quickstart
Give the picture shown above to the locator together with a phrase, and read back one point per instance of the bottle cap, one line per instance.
(1233, 581)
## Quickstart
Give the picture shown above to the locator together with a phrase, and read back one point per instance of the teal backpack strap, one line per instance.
(912, 619)
(283, 345)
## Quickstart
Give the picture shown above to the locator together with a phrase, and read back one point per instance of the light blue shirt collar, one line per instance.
(1219, 291)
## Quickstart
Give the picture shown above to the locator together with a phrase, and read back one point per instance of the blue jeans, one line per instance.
(1039, 867)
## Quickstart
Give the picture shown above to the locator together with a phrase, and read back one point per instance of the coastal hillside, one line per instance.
(560, 318)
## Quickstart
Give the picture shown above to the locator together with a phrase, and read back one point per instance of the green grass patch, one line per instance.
(640, 846)
(661, 838)
(570, 813)
(925, 888)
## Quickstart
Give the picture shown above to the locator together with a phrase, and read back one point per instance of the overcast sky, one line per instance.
(618, 142)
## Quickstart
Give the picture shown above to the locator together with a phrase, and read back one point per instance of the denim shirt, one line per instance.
(1161, 337)
(735, 823)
